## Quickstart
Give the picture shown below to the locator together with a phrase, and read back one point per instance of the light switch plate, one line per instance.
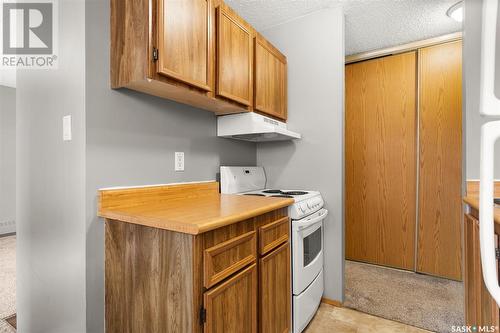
(179, 161)
(67, 132)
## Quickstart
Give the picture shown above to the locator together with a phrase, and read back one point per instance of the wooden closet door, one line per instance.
(439, 250)
(381, 161)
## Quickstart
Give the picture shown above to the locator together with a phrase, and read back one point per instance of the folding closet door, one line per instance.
(439, 250)
(380, 145)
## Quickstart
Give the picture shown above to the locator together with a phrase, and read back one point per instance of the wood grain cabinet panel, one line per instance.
(226, 258)
(196, 52)
(270, 80)
(381, 161)
(439, 250)
(480, 308)
(232, 306)
(234, 58)
(273, 235)
(470, 262)
(184, 41)
(149, 280)
(275, 291)
(160, 280)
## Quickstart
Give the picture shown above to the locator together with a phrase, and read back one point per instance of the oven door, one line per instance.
(307, 243)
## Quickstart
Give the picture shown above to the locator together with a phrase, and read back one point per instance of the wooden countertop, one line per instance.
(473, 201)
(472, 197)
(188, 208)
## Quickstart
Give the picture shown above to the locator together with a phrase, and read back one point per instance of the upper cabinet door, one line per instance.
(184, 41)
(234, 58)
(270, 80)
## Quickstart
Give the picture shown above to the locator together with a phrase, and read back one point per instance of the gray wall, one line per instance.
(51, 186)
(473, 121)
(131, 140)
(314, 45)
(7, 159)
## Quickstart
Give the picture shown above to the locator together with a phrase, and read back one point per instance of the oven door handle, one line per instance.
(309, 222)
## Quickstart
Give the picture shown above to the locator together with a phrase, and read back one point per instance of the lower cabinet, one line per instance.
(480, 308)
(234, 279)
(274, 288)
(232, 306)
(247, 277)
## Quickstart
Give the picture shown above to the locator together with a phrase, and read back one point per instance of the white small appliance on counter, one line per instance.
(253, 127)
(307, 215)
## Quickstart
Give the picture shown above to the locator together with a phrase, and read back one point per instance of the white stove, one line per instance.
(307, 214)
(252, 181)
(306, 202)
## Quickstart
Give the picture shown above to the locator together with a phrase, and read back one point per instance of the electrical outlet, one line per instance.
(179, 161)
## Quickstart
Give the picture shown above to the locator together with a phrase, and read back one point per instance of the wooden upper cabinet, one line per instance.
(196, 52)
(184, 41)
(270, 80)
(234, 57)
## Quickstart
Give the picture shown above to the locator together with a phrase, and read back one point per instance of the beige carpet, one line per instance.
(419, 300)
(7, 281)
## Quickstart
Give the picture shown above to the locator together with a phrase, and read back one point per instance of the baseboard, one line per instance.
(332, 302)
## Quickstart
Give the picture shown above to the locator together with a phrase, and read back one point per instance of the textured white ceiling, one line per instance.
(369, 24)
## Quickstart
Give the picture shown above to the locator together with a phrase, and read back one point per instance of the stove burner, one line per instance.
(272, 191)
(281, 196)
(295, 193)
(256, 194)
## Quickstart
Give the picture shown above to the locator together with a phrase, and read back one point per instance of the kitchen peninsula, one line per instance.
(185, 258)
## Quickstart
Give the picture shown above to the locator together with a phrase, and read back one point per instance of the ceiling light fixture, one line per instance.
(456, 11)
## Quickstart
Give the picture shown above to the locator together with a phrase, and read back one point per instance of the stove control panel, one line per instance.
(307, 207)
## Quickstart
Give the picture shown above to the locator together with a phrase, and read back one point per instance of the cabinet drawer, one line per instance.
(224, 259)
(273, 235)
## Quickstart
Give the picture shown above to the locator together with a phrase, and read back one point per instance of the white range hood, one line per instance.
(253, 127)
